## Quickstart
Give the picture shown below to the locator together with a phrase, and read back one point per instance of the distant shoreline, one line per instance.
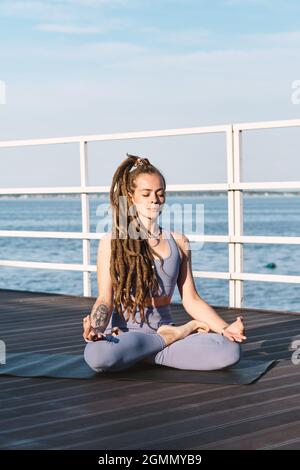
(93, 196)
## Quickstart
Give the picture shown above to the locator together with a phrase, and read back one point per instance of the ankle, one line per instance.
(169, 334)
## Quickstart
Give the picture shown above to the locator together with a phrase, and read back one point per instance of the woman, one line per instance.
(138, 266)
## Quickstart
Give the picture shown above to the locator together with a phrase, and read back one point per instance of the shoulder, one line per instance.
(106, 236)
(104, 242)
(182, 242)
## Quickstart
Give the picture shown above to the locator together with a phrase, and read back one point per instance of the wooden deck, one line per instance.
(51, 413)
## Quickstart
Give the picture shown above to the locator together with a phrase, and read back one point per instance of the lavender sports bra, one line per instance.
(167, 282)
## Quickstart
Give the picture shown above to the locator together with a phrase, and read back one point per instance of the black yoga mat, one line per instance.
(70, 366)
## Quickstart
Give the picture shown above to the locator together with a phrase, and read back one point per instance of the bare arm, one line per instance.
(195, 306)
(96, 323)
(100, 315)
(200, 310)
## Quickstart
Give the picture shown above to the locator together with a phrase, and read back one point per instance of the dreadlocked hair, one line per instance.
(132, 266)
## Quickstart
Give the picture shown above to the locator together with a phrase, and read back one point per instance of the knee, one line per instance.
(224, 353)
(99, 357)
(231, 352)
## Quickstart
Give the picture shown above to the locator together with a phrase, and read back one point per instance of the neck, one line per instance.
(151, 225)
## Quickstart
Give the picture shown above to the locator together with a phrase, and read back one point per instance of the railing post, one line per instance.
(238, 216)
(230, 202)
(235, 215)
(85, 217)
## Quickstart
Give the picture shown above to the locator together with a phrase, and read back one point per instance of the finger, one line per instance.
(229, 336)
(86, 332)
(101, 336)
(240, 335)
(240, 339)
(86, 322)
(92, 336)
(86, 326)
(96, 338)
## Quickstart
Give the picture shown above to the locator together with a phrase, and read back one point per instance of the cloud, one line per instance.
(255, 3)
(185, 37)
(68, 29)
(96, 3)
(34, 9)
(128, 56)
(278, 39)
(112, 51)
(56, 9)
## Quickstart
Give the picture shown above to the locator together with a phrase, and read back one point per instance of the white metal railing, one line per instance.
(233, 186)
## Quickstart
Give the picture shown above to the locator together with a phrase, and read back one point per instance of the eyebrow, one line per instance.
(149, 189)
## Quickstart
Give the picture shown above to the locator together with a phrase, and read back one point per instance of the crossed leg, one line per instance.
(197, 351)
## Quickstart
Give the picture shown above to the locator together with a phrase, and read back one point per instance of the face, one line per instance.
(149, 195)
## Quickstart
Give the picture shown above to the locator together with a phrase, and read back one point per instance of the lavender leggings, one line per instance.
(198, 351)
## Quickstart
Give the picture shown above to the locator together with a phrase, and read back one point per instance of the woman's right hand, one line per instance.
(90, 333)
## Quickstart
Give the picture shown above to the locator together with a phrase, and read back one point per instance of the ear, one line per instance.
(130, 195)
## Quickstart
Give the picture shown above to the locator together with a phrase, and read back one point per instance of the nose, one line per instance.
(155, 200)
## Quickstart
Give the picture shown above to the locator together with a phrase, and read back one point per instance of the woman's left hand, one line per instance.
(235, 331)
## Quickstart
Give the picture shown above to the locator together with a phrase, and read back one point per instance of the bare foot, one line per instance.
(173, 333)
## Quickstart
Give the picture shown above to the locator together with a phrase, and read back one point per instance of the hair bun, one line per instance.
(139, 161)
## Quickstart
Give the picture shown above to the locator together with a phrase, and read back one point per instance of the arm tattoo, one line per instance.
(100, 317)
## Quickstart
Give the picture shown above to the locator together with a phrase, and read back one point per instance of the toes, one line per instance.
(202, 330)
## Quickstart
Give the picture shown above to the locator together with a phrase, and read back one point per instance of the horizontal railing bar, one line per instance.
(116, 136)
(106, 189)
(266, 124)
(95, 236)
(266, 277)
(57, 190)
(200, 274)
(266, 185)
(212, 274)
(41, 265)
(44, 234)
(169, 188)
(191, 237)
(150, 134)
(266, 240)
(284, 240)
(248, 276)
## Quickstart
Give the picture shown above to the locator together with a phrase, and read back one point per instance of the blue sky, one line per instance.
(74, 67)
